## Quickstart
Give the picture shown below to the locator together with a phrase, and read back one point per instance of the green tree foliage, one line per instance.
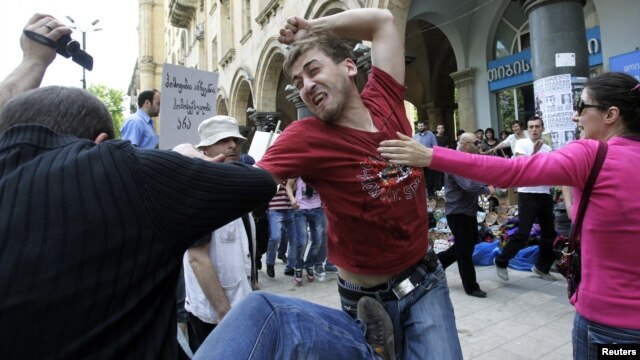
(112, 99)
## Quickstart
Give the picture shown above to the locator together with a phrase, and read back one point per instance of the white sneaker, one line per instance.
(544, 276)
(321, 277)
(502, 272)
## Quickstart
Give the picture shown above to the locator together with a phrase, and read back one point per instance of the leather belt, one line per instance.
(399, 286)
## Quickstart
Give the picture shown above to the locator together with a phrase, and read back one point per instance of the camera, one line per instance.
(66, 47)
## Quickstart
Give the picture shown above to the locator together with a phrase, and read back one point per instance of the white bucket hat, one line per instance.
(217, 128)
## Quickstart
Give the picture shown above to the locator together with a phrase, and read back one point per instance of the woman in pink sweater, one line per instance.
(608, 299)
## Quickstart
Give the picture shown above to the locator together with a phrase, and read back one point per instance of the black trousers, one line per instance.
(198, 331)
(465, 231)
(530, 207)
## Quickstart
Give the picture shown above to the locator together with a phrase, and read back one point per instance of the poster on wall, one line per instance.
(554, 104)
(188, 97)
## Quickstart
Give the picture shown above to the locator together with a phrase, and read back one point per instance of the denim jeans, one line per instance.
(279, 219)
(424, 322)
(269, 326)
(586, 336)
(316, 221)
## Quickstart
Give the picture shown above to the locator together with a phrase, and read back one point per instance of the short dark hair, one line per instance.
(480, 130)
(619, 90)
(146, 95)
(535, 118)
(65, 110)
(326, 41)
(518, 122)
(489, 129)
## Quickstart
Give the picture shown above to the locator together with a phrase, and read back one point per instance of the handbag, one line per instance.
(568, 263)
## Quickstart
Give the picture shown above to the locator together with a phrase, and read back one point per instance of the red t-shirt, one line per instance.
(376, 211)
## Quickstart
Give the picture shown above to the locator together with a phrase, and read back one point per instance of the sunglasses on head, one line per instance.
(581, 106)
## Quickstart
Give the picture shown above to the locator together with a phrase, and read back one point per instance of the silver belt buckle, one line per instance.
(405, 287)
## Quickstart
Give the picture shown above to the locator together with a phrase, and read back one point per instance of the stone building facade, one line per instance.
(449, 48)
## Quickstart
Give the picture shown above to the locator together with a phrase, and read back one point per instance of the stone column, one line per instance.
(557, 26)
(265, 121)
(434, 115)
(146, 64)
(302, 111)
(464, 81)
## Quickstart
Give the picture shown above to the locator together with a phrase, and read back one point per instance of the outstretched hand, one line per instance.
(294, 29)
(405, 151)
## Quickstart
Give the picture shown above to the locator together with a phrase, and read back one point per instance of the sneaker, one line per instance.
(297, 278)
(271, 272)
(288, 271)
(502, 272)
(318, 269)
(544, 276)
(309, 275)
(379, 329)
(321, 277)
(330, 269)
(283, 257)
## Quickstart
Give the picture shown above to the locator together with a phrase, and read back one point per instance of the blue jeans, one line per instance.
(279, 219)
(316, 221)
(586, 336)
(424, 322)
(269, 326)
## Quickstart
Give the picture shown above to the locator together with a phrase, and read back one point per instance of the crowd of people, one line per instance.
(96, 230)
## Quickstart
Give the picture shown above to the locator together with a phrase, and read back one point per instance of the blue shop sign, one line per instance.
(628, 63)
(514, 70)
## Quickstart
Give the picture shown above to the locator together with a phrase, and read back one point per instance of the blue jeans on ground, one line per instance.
(424, 322)
(279, 219)
(586, 336)
(269, 326)
(316, 221)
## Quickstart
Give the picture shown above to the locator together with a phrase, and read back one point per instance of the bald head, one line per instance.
(469, 143)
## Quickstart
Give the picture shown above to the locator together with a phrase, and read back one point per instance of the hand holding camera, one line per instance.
(65, 46)
(48, 31)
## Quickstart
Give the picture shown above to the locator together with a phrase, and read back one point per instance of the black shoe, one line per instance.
(271, 271)
(258, 264)
(288, 271)
(379, 331)
(283, 257)
(478, 293)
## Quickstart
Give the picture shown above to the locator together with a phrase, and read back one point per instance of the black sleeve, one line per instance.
(191, 197)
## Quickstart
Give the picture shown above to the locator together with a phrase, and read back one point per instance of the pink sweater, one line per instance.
(610, 289)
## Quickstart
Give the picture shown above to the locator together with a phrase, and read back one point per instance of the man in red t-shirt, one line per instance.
(376, 211)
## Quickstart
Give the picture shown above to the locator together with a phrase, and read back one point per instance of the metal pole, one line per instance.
(84, 74)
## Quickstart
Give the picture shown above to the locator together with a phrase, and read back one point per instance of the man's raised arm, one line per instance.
(36, 57)
(375, 25)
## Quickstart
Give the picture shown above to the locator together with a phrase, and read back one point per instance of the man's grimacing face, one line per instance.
(323, 85)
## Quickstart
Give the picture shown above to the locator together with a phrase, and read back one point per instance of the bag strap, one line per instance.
(586, 193)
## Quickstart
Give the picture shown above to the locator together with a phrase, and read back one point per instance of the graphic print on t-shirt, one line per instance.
(388, 182)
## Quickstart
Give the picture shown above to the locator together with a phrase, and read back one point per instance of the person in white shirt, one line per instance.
(219, 270)
(533, 202)
(518, 133)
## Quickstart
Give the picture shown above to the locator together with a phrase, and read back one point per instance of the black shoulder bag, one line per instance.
(569, 262)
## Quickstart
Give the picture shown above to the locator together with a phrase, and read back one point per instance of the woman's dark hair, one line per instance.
(620, 90)
(491, 131)
(65, 110)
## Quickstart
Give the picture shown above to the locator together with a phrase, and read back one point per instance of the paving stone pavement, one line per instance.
(524, 318)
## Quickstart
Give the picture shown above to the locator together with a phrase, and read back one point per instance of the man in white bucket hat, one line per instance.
(220, 268)
(220, 135)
